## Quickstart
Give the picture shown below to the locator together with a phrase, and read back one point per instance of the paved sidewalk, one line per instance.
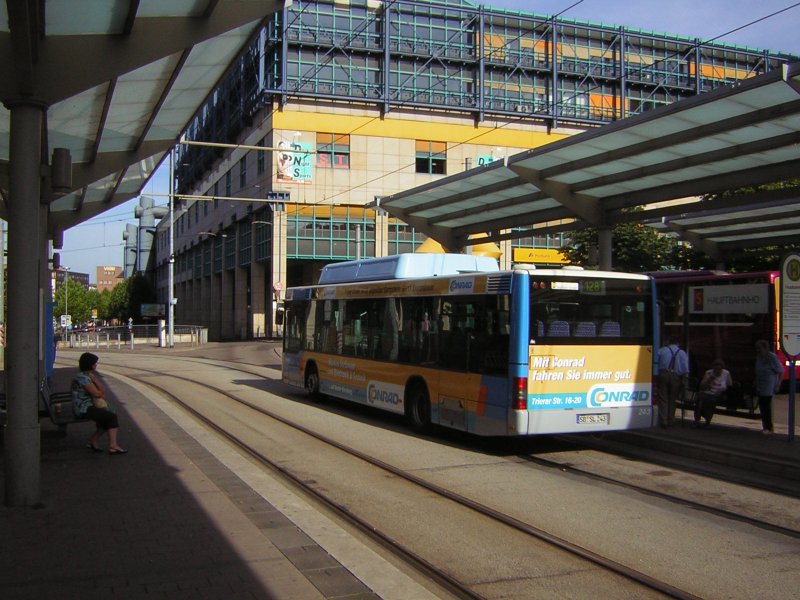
(166, 520)
(170, 520)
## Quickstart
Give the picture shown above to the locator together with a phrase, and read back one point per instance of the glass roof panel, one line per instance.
(73, 123)
(135, 97)
(173, 8)
(205, 65)
(85, 17)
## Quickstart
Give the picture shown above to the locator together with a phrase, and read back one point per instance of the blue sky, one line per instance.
(99, 241)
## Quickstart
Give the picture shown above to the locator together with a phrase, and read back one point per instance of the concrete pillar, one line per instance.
(215, 314)
(24, 331)
(605, 239)
(46, 295)
(507, 256)
(259, 297)
(381, 233)
(278, 263)
(240, 306)
(226, 291)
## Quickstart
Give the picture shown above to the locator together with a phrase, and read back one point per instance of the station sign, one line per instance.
(790, 305)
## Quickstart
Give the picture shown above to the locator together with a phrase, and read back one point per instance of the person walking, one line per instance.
(769, 373)
(673, 371)
(89, 402)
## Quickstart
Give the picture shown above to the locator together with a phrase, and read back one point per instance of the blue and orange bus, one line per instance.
(450, 340)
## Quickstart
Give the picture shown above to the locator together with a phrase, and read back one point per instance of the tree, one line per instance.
(126, 298)
(636, 248)
(118, 302)
(73, 297)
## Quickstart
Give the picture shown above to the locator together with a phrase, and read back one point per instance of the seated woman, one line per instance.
(89, 401)
(715, 382)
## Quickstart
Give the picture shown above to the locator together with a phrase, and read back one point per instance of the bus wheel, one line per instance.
(418, 409)
(312, 382)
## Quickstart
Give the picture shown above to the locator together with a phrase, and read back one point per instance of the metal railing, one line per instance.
(119, 337)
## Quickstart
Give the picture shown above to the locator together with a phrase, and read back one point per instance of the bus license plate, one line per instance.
(594, 419)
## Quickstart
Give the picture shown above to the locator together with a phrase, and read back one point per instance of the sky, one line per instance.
(99, 242)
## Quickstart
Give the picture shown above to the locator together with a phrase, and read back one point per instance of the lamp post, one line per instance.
(67, 320)
(171, 266)
(66, 292)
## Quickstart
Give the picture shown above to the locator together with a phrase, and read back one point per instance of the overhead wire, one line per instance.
(312, 71)
(526, 118)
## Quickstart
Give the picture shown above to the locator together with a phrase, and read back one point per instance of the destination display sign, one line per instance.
(790, 305)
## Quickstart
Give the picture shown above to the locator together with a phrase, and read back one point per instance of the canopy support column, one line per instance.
(24, 332)
(605, 239)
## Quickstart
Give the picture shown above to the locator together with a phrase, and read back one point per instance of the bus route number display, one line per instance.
(595, 287)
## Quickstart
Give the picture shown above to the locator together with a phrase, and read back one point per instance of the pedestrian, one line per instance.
(89, 402)
(715, 382)
(769, 373)
(673, 371)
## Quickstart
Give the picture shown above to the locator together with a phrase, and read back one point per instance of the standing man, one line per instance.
(673, 372)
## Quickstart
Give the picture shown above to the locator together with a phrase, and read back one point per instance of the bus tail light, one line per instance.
(519, 401)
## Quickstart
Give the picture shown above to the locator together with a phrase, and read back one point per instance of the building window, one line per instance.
(333, 150)
(228, 184)
(243, 173)
(431, 157)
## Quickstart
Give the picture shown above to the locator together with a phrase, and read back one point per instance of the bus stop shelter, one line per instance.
(93, 100)
(738, 136)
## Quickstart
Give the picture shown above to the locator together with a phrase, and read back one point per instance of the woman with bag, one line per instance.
(89, 402)
(769, 373)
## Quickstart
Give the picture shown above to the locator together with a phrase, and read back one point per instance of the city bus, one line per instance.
(721, 315)
(449, 340)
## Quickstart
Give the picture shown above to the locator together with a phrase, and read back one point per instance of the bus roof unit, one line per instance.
(406, 266)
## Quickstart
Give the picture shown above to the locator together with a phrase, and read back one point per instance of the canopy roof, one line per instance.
(738, 136)
(121, 79)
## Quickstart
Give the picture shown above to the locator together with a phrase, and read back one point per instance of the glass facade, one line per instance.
(460, 58)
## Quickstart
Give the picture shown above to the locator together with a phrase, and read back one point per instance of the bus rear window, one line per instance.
(581, 311)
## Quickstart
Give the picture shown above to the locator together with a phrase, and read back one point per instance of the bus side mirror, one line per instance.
(279, 316)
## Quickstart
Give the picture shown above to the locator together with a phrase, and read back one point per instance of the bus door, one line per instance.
(473, 355)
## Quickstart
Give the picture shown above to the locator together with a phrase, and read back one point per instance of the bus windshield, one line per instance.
(586, 311)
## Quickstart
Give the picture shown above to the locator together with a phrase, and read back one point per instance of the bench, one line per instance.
(58, 407)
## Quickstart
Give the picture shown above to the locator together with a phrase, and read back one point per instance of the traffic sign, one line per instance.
(66, 320)
(790, 305)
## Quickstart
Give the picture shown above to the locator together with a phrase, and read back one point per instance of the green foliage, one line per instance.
(118, 302)
(126, 299)
(73, 297)
(636, 248)
(141, 291)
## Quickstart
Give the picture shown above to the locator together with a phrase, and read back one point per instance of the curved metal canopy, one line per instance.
(120, 80)
(745, 135)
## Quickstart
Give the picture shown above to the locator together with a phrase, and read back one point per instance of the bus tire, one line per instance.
(418, 411)
(312, 382)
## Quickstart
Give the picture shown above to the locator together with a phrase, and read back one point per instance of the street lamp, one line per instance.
(66, 296)
(171, 266)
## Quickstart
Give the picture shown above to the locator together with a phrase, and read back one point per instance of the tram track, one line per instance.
(442, 578)
(567, 467)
